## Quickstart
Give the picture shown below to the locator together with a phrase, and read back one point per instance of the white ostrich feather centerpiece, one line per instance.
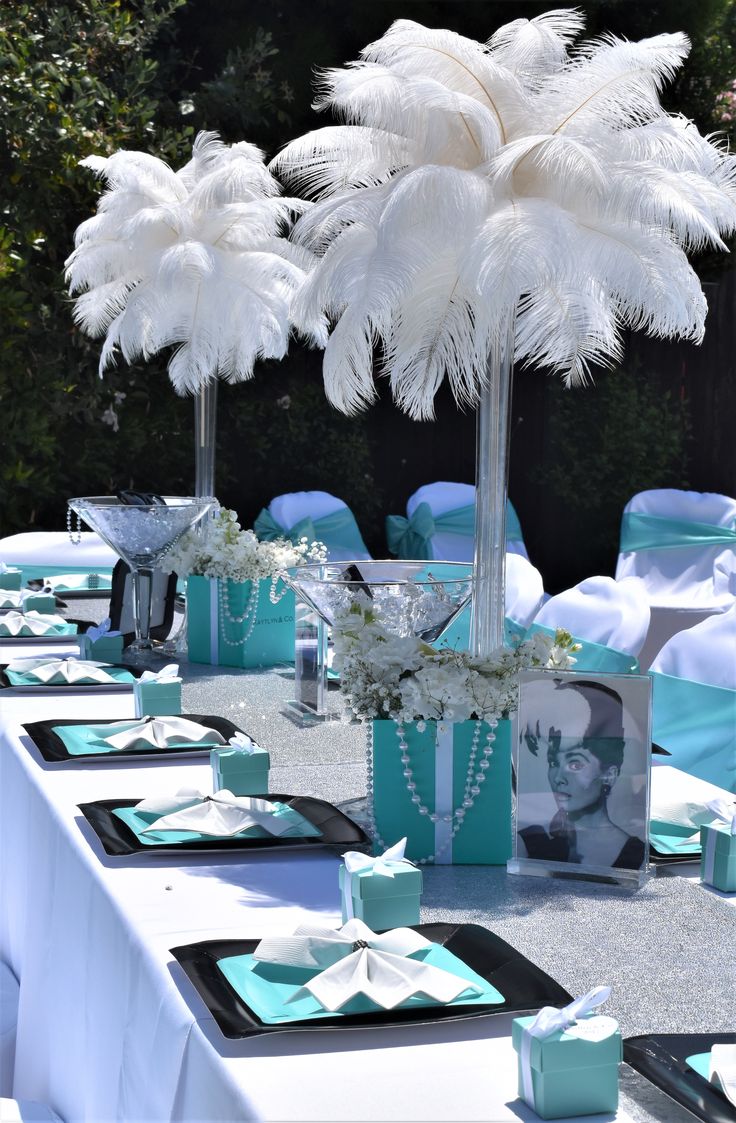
(477, 185)
(191, 259)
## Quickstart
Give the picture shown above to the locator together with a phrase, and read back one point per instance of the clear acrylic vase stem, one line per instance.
(142, 586)
(491, 482)
(205, 429)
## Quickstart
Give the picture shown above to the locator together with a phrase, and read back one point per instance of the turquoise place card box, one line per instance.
(570, 1075)
(240, 773)
(384, 902)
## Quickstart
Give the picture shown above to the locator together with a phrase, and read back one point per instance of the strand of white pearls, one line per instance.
(74, 541)
(473, 782)
(274, 596)
(250, 613)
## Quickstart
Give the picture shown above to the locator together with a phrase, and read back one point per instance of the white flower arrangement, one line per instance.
(405, 679)
(228, 552)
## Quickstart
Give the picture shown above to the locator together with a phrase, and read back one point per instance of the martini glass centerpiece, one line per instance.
(417, 598)
(141, 534)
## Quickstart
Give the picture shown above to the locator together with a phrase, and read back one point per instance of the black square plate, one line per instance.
(524, 986)
(119, 840)
(53, 749)
(661, 1058)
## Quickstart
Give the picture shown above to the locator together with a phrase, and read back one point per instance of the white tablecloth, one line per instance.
(110, 1029)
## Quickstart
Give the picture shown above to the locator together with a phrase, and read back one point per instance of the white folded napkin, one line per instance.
(29, 623)
(158, 733)
(15, 598)
(221, 815)
(73, 581)
(355, 961)
(681, 799)
(70, 670)
(723, 1069)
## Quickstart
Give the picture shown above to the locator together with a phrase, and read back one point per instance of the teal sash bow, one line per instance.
(411, 538)
(650, 532)
(696, 723)
(594, 656)
(337, 530)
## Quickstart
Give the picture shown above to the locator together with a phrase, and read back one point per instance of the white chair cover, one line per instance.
(601, 610)
(289, 509)
(9, 995)
(26, 1111)
(705, 653)
(684, 584)
(524, 591)
(444, 496)
(44, 553)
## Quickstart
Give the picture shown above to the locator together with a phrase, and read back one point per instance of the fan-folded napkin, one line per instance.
(355, 961)
(15, 598)
(31, 624)
(221, 814)
(158, 733)
(683, 800)
(723, 1069)
(52, 671)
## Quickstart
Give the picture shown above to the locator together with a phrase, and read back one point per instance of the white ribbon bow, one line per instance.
(71, 670)
(7, 568)
(723, 812)
(221, 815)
(356, 961)
(384, 865)
(156, 732)
(723, 1069)
(548, 1021)
(242, 743)
(170, 673)
(29, 624)
(100, 630)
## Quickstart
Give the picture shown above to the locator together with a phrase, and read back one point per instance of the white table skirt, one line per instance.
(110, 1029)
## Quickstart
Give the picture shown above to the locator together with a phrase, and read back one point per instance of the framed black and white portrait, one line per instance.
(582, 745)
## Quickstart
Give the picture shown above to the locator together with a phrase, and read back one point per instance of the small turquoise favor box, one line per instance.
(157, 699)
(40, 602)
(106, 649)
(718, 861)
(10, 578)
(242, 773)
(569, 1075)
(383, 902)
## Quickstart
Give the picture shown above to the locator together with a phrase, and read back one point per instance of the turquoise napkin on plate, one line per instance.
(138, 821)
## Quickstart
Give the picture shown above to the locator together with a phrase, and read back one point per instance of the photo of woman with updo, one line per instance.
(574, 726)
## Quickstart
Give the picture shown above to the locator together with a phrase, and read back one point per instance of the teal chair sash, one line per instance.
(696, 723)
(595, 656)
(337, 530)
(650, 532)
(411, 538)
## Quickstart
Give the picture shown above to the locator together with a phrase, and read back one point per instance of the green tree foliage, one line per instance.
(76, 77)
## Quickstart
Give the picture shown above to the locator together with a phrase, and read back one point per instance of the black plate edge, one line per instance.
(470, 942)
(52, 748)
(661, 1059)
(5, 683)
(119, 841)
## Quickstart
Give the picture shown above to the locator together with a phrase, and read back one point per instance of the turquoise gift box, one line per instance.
(383, 902)
(10, 579)
(214, 638)
(106, 649)
(570, 1076)
(718, 847)
(439, 765)
(241, 773)
(157, 699)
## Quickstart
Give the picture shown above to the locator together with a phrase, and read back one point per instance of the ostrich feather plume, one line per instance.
(193, 260)
(526, 180)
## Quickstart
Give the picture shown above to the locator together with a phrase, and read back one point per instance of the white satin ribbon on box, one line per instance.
(169, 673)
(355, 961)
(548, 1021)
(53, 671)
(724, 812)
(385, 865)
(222, 814)
(443, 785)
(242, 743)
(159, 733)
(214, 594)
(723, 1069)
(37, 623)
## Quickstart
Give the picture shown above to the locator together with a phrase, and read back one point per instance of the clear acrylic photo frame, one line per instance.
(626, 803)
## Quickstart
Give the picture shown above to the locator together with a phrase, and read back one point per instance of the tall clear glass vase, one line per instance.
(491, 482)
(205, 429)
